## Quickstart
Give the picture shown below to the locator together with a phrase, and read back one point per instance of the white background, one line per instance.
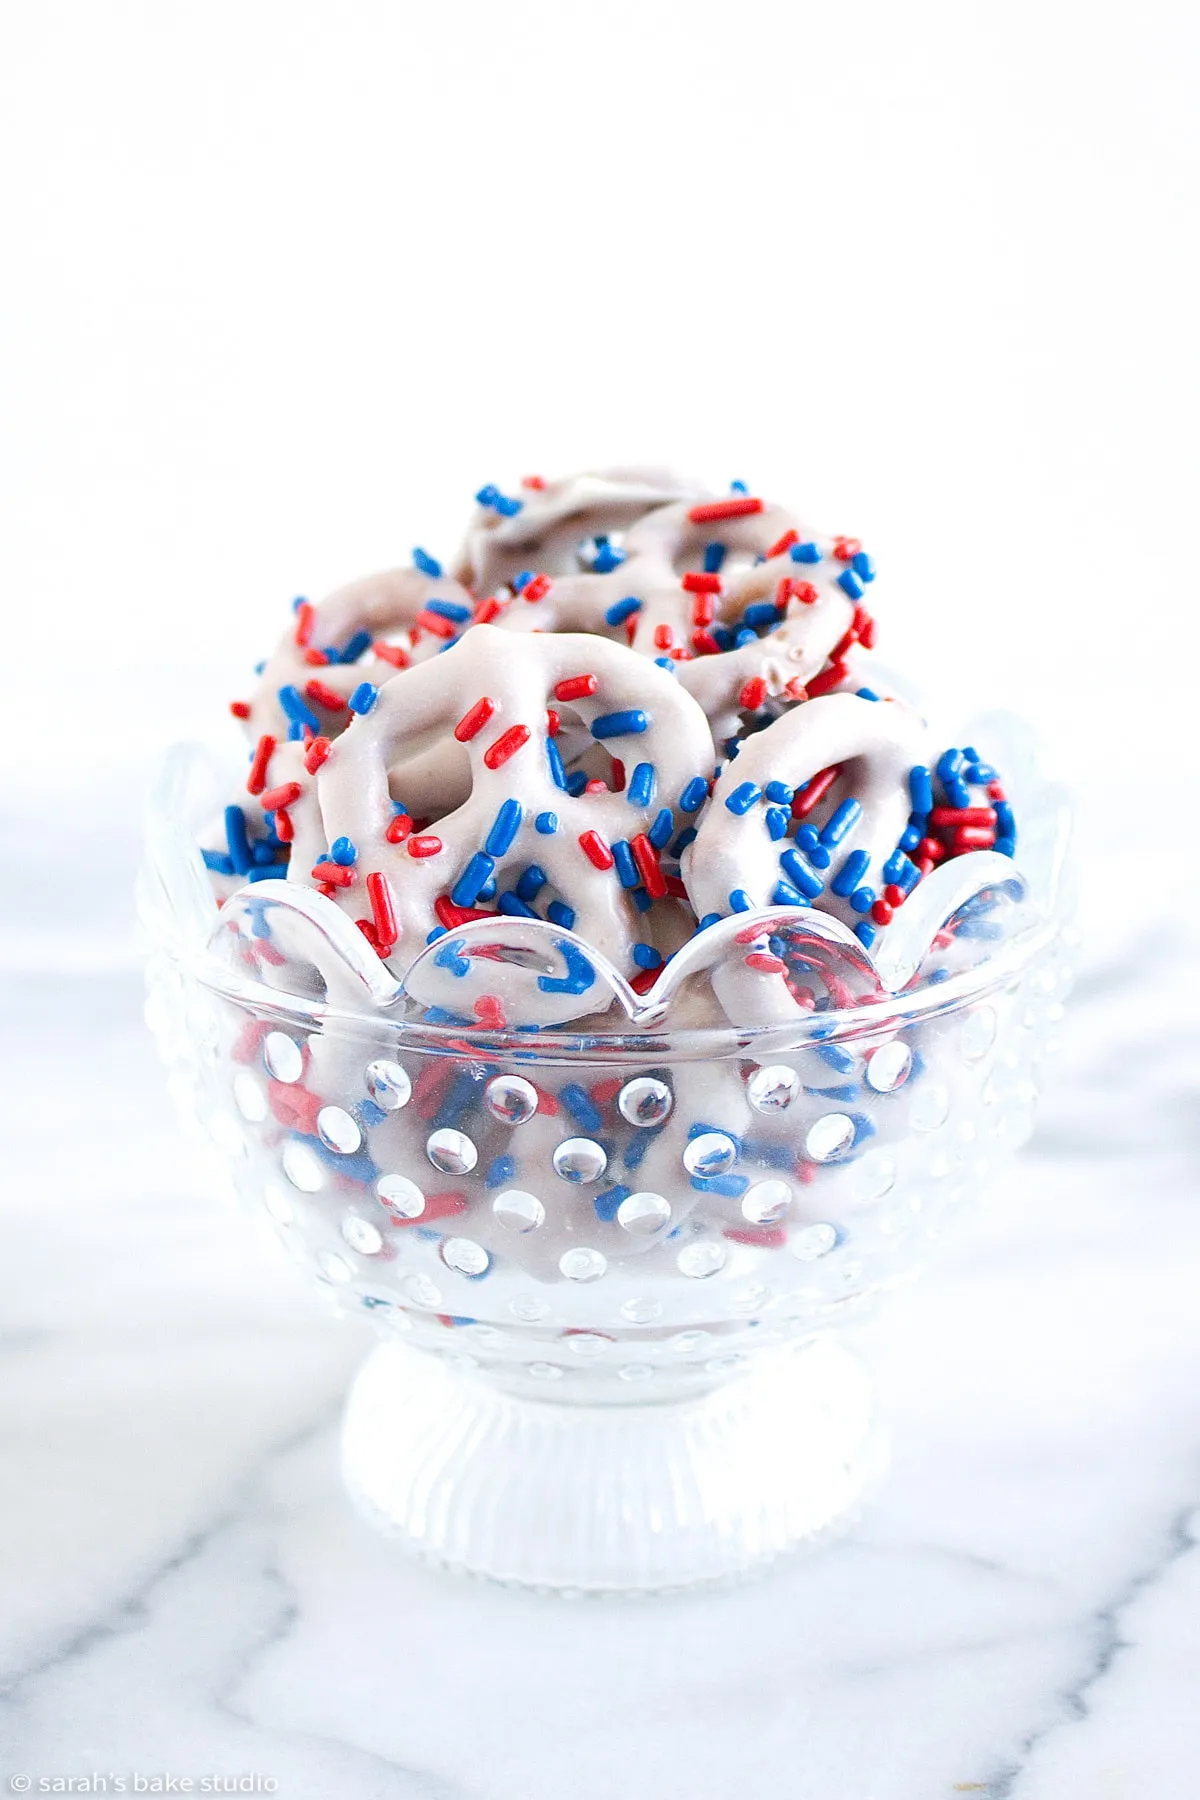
(286, 283)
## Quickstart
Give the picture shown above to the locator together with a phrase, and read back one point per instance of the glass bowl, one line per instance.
(608, 1257)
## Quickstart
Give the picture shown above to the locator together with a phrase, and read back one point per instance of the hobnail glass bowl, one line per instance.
(607, 1264)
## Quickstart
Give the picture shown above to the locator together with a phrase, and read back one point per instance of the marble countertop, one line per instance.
(185, 1592)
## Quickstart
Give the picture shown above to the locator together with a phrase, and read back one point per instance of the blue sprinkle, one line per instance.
(218, 862)
(836, 1057)
(1005, 846)
(841, 823)
(512, 904)
(520, 582)
(458, 1100)
(863, 899)
(732, 1186)
(847, 1091)
(450, 957)
(702, 1128)
(546, 823)
(850, 584)
(920, 786)
(795, 867)
(646, 956)
(371, 1114)
(910, 837)
(606, 1204)
(236, 837)
(560, 915)
(533, 880)
(805, 553)
(354, 647)
(863, 567)
(557, 773)
(731, 748)
(627, 870)
(980, 773)
(744, 636)
(641, 899)
(607, 557)
(738, 487)
(491, 496)
(786, 895)
(865, 934)
(851, 873)
(866, 693)
(581, 1106)
(500, 1170)
(507, 823)
(454, 610)
(344, 852)
(427, 564)
(780, 793)
(298, 602)
(949, 767)
(660, 831)
(364, 697)
(694, 795)
(707, 920)
(465, 891)
(297, 708)
(576, 782)
(762, 612)
(743, 798)
(488, 890)
(740, 901)
(900, 871)
(1005, 822)
(686, 836)
(665, 662)
(439, 931)
(642, 784)
(622, 610)
(268, 872)
(778, 820)
(714, 556)
(263, 852)
(722, 636)
(957, 791)
(580, 973)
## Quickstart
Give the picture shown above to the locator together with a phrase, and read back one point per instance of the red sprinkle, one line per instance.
(369, 932)
(240, 709)
(595, 849)
(995, 791)
(676, 888)
(698, 582)
(753, 694)
(553, 722)
(391, 653)
(931, 851)
(324, 696)
(450, 915)
(881, 912)
(424, 846)
(487, 610)
(332, 875)
(895, 896)
(766, 1237)
(866, 632)
(973, 837)
(473, 721)
(443, 628)
(316, 659)
(768, 964)
(576, 687)
(285, 831)
(703, 609)
(805, 593)
(795, 689)
(815, 792)
(256, 781)
(705, 643)
(316, 753)
(846, 548)
(537, 482)
(962, 815)
(644, 980)
(827, 680)
(646, 858)
(784, 543)
(740, 507)
(490, 1012)
(306, 618)
(280, 796)
(383, 912)
(506, 745)
(399, 829)
(618, 775)
(595, 786)
(537, 589)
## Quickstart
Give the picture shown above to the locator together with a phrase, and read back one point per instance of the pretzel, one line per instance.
(465, 743)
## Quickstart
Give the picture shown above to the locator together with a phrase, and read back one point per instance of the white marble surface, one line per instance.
(183, 1589)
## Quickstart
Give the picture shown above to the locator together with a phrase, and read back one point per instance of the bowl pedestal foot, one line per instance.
(611, 1498)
